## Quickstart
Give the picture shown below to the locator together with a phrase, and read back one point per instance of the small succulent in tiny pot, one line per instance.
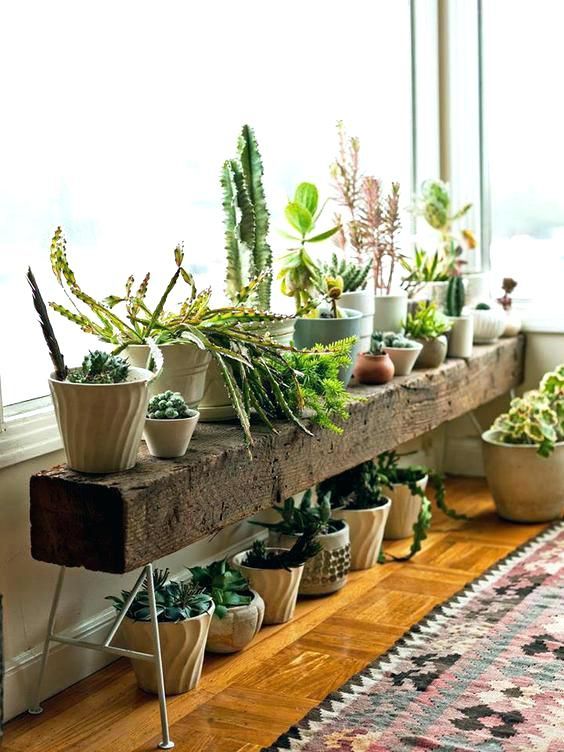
(375, 366)
(169, 425)
(402, 351)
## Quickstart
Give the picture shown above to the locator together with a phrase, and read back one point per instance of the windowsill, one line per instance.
(28, 435)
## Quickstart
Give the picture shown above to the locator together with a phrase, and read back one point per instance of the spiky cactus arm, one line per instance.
(455, 296)
(234, 274)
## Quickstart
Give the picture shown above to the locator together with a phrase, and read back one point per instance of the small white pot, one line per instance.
(404, 358)
(488, 324)
(390, 313)
(101, 424)
(366, 528)
(525, 486)
(404, 510)
(237, 628)
(460, 337)
(169, 437)
(363, 301)
(277, 587)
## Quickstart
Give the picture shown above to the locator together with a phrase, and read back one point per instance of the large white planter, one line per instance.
(237, 628)
(404, 358)
(184, 369)
(183, 644)
(404, 510)
(277, 587)
(525, 486)
(390, 312)
(460, 337)
(327, 571)
(488, 324)
(363, 301)
(101, 424)
(366, 528)
(169, 437)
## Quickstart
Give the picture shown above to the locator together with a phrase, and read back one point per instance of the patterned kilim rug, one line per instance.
(483, 671)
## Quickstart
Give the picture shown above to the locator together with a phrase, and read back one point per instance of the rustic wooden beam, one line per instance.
(115, 523)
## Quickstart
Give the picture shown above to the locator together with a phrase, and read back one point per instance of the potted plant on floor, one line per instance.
(239, 611)
(327, 571)
(275, 573)
(513, 322)
(169, 425)
(184, 615)
(488, 323)
(356, 497)
(403, 352)
(428, 327)
(375, 366)
(524, 454)
(462, 333)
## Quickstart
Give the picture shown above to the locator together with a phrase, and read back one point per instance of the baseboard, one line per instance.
(463, 456)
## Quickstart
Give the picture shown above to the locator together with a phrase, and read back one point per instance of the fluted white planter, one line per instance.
(460, 337)
(489, 324)
(366, 529)
(277, 587)
(237, 628)
(363, 301)
(404, 510)
(390, 312)
(404, 358)
(101, 424)
(183, 644)
(169, 437)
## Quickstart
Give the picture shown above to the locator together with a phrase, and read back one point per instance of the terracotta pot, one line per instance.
(169, 437)
(390, 313)
(366, 527)
(404, 510)
(237, 628)
(525, 486)
(327, 571)
(433, 352)
(277, 587)
(404, 358)
(363, 301)
(183, 644)
(460, 337)
(373, 369)
(101, 424)
(488, 324)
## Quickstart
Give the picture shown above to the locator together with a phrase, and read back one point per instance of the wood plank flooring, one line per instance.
(245, 701)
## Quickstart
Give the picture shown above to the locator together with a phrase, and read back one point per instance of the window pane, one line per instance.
(121, 115)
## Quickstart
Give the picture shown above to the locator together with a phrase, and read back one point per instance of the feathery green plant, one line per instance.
(226, 585)
(100, 368)
(354, 276)
(455, 298)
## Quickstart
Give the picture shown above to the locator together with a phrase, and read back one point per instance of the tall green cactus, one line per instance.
(246, 221)
(455, 297)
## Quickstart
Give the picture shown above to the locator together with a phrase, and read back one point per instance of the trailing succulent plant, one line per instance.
(357, 488)
(427, 322)
(306, 547)
(246, 222)
(456, 297)
(168, 406)
(296, 520)
(226, 585)
(176, 601)
(354, 276)
(393, 339)
(100, 368)
(421, 269)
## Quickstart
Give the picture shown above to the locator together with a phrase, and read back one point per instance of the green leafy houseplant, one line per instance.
(296, 520)
(422, 269)
(100, 368)
(168, 406)
(227, 586)
(305, 548)
(426, 323)
(455, 298)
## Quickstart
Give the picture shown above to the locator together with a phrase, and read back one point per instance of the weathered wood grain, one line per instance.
(115, 523)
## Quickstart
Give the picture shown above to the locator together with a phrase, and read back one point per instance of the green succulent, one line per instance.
(455, 297)
(357, 488)
(295, 520)
(427, 322)
(393, 339)
(227, 586)
(421, 269)
(353, 274)
(306, 547)
(100, 368)
(168, 406)
(483, 307)
(377, 344)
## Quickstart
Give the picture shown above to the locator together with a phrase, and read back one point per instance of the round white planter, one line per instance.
(277, 587)
(327, 571)
(488, 324)
(460, 337)
(363, 301)
(237, 628)
(404, 358)
(404, 510)
(169, 437)
(390, 313)
(183, 644)
(366, 528)
(525, 486)
(433, 352)
(101, 424)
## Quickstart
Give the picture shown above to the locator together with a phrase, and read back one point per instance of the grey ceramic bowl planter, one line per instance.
(433, 352)
(309, 332)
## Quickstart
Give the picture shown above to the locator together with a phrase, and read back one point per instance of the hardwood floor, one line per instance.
(246, 700)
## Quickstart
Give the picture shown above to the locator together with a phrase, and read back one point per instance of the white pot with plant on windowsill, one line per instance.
(169, 425)
(461, 336)
(489, 323)
(513, 321)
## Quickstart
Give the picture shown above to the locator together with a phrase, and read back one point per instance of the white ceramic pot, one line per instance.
(404, 358)
(184, 369)
(477, 287)
(404, 510)
(513, 324)
(277, 587)
(366, 528)
(488, 324)
(101, 424)
(432, 353)
(183, 644)
(460, 337)
(237, 628)
(169, 437)
(327, 571)
(525, 486)
(363, 301)
(390, 313)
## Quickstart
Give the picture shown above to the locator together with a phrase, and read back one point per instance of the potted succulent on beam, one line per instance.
(524, 454)
(354, 295)
(327, 571)
(428, 327)
(374, 366)
(512, 321)
(239, 611)
(184, 616)
(169, 425)
(488, 323)
(356, 497)
(462, 333)
(403, 352)
(275, 573)
(426, 276)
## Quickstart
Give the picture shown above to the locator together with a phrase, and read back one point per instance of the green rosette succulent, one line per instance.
(168, 406)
